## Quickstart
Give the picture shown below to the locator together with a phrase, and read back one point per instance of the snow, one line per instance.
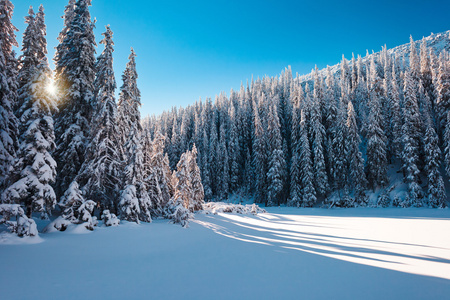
(287, 253)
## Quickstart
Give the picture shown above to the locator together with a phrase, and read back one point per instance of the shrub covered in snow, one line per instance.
(77, 210)
(177, 213)
(23, 226)
(109, 219)
(221, 207)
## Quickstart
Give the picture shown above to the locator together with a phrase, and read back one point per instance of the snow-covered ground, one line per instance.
(286, 253)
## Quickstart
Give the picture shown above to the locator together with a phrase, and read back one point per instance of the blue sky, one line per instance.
(192, 49)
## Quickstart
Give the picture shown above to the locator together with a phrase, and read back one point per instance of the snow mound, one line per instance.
(221, 207)
(7, 238)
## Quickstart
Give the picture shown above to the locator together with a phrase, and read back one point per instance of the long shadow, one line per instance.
(296, 240)
(302, 223)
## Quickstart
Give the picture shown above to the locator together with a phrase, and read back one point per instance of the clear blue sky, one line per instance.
(192, 49)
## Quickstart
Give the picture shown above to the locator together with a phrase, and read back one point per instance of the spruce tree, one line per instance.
(295, 188)
(62, 48)
(411, 136)
(260, 160)
(75, 74)
(356, 175)
(161, 170)
(395, 120)
(35, 168)
(305, 166)
(8, 91)
(277, 164)
(376, 140)
(198, 194)
(178, 206)
(318, 136)
(436, 190)
(100, 173)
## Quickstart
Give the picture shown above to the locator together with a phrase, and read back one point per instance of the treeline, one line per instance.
(69, 144)
(329, 140)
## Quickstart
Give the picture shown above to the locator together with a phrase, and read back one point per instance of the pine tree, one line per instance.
(447, 145)
(75, 73)
(29, 60)
(396, 120)
(318, 136)
(260, 160)
(198, 194)
(436, 190)
(161, 172)
(376, 140)
(277, 164)
(443, 92)
(129, 120)
(178, 207)
(62, 48)
(100, 173)
(234, 151)
(8, 91)
(305, 166)
(411, 136)
(77, 210)
(42, 32)
(356, 176)
(295, 188)
(35, 169)
(135, 204)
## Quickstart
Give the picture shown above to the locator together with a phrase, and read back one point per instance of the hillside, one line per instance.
(338, 136)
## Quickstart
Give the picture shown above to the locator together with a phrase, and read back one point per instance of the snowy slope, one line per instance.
(287, 253)
(436, 41)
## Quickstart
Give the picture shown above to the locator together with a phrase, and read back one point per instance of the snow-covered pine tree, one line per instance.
(42, 32)
(305, 166)
(295, 188)
(62, 48)
(129, 119)
(318, 136)
(23, 226)
(396, 119)
(159, 171)
(135, 204)
(35, 168)
(411, 136)
(277, 164)
(260, 160)
(99, 176)
(447, 145)
(178, 206)
(77, 210)
(339, 174)
(234, 150)
(376, 140)
(29, 60)
(356, 175)
(75, 74)
(443, 93)
(8, 91)
(224, 163)
(436, 190)
(426, 74)
(198, 194)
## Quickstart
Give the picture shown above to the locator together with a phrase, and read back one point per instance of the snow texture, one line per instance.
(318, 254)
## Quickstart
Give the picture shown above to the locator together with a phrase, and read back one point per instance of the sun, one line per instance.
(51, 88)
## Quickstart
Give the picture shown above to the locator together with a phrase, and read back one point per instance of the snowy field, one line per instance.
(283, 254)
